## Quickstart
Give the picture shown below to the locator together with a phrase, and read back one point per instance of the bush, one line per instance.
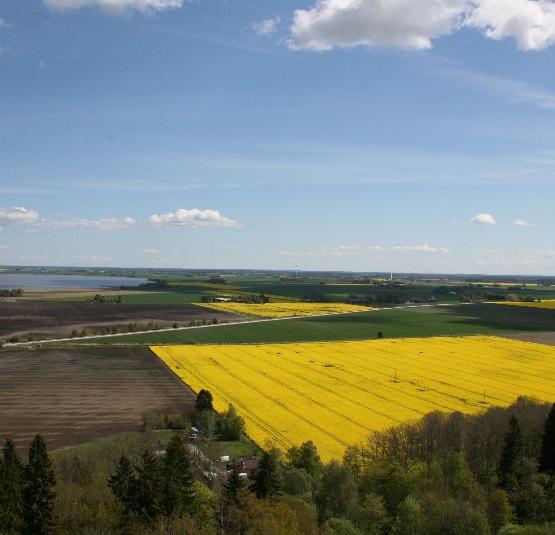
(153, 420)
(177, 421)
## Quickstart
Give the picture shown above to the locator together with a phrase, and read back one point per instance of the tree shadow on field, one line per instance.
(504, 317)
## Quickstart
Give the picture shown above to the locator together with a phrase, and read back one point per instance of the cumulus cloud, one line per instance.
(414, 25)
(17, 215)
(398, 23)
(483, 219)
(3, 248)
(531, 23)
(521, 223)
(115, 6)
(31, 221)
(424, 248)
(266, 26)
(192, 218)
(150, 251)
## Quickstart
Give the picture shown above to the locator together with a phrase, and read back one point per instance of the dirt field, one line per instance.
(73, 396)
(541, 337)
(59, 319)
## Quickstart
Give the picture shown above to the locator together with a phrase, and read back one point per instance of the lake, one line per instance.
(63, 282)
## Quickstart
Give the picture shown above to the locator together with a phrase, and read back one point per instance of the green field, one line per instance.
(395, 323)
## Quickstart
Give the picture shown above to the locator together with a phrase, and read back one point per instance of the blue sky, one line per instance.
(332, 134)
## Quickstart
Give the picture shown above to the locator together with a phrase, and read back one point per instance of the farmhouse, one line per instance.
(247, 464)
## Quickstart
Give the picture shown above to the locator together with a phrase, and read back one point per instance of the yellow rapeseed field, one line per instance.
(285, 310)
(548, 303)
(336, 393)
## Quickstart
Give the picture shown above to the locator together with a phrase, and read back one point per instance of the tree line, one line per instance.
(447, 474)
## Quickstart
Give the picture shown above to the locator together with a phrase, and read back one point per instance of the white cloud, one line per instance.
(531, 23)
(192, 218)
(150, 251)
(483, 219)
(414, 25)
(17, 215)
(398, 23)
(109, 223)
(3, 248)
(266, 26)
(521, 223)
(424, 248)
(4, 23)
(115, 6)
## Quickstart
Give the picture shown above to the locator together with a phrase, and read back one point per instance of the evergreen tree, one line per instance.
(123, 484)
(267, 482)
(38, 491)
(178, 483)
(204, 401)
(233, 489)
(11, 486)
(510, 454)
(148, 488)
(547, 455)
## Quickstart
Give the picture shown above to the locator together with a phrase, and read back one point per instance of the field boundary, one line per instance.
(247, 322)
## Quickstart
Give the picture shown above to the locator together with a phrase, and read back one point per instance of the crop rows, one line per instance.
(336, 393)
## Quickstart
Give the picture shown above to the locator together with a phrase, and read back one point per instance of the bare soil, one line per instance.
(72, 396)
(541, 337)
(52, 319)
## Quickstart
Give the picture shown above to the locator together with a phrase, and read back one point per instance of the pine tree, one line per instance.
(11, 486)
(267, 482)
(510, 454)
(178, 484)
(148, 488)
(233, 489)
(123, 484)
(38, 491)
(203, 401)
(547, 455)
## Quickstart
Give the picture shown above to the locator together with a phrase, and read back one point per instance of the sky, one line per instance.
(357, 135)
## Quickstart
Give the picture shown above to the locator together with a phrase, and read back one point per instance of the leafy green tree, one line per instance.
(11, 486)
(306, 457)
(547, 455)
(338, 493)
(204, 401)
(147, 493)
(510, 454)
(409, 517)
(267, 481)
(230, 425)
(123, 484)
(342, 526)
(498, 509)
(178, 483)
(38, 491)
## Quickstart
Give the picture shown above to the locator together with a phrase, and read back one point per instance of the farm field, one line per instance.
(285, 310)
(548, 303)
(337, 393)
(59, 318)
(395, 323)
(73, 396)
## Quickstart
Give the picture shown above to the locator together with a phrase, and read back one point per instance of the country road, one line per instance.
(261, 320)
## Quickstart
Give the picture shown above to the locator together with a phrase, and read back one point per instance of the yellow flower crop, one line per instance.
(548, 303)
(336, 393)
(285, 310)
